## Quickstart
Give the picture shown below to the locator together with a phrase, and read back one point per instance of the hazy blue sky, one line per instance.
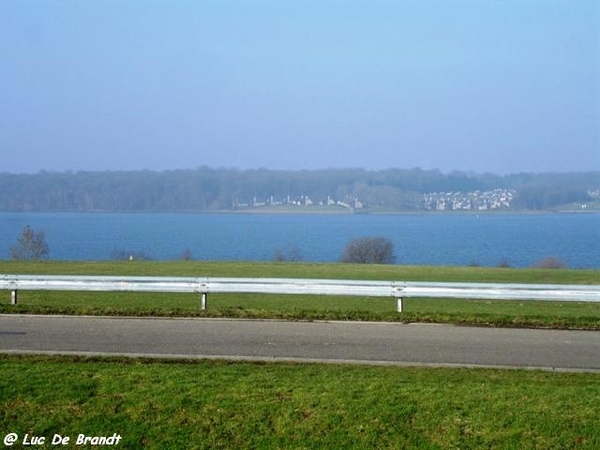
(480, 85)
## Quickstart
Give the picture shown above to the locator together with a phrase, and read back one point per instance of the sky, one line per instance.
(498, 86)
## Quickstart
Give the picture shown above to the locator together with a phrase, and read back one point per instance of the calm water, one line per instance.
(437, 239)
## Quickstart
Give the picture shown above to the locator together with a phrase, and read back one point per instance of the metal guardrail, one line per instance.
(394, 289)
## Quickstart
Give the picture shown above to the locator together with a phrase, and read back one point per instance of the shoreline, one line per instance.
(266, 212)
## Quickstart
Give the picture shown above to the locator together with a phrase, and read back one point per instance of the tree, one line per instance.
(291, 254)
(31, 246)
(369, 250)
(186, 255)
(550, 262)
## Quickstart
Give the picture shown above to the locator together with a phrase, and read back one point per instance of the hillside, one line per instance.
(207, 189)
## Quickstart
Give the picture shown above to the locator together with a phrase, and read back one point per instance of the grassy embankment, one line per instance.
(211, 404)
(299, 307)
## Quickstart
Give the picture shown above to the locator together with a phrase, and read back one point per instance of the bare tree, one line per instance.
(369, 250)
(186, 255)
(291, 254)
(31, 246)
(550, 262)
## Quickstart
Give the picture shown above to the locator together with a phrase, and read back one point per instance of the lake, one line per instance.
(430, 239)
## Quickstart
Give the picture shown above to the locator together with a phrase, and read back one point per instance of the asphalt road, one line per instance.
(338, 342)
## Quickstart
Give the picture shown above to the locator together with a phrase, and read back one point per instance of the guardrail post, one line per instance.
(203, 301)
(13, 297)
(397, 291)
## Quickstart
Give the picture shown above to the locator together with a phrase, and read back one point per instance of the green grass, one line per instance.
(304, 270)
(212, 404)
(216, 404)
(298, 307)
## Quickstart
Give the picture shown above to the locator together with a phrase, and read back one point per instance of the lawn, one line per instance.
(217, 404)
(213, 404)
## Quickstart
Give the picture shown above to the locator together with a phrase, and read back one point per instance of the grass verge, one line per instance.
(213, 404)
(577, 315)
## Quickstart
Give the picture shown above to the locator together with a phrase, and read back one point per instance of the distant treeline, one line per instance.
(207, 189)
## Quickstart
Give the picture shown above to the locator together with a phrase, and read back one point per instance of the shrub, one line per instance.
(550, 262)
(186, 255)
(291, 254)
(503, 263)
(31, 246)
(369, 250)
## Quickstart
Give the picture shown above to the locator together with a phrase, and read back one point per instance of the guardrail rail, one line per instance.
(394, 289)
